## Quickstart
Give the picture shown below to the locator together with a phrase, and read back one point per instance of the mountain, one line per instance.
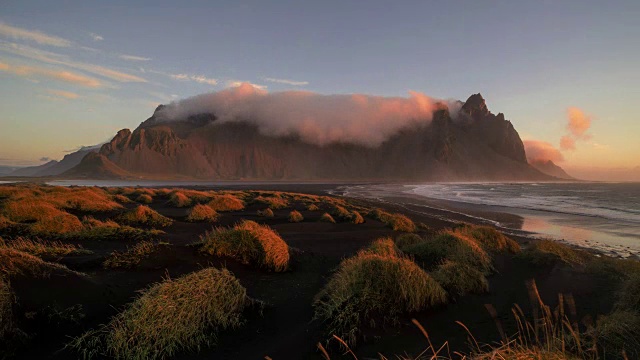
(53, 167)
(7, 169)
(473, 145)
(34, 170)
(549, 168)
(96, 166)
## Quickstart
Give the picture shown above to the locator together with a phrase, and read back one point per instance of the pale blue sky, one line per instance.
(531, 60)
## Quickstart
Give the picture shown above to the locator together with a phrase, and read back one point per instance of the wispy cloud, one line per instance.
(96, 37)
(64, 76)
(236, 83)
(286, 81)
(133, 58)
(13, 32)
(197, 78)
(63, 94)
(58, 59)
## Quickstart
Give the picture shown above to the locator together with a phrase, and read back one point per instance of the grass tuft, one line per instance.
(43, 247)
(132, 257)
(179, 199)
(275, 201)
(226, 202)
(405, 240)
(618, 332)
(15, 262)
(447, 246)
(202, 213)
(326, 217)
(144, 199)
(250, 243)
(144, 215)
(295, 216)
(7, 299)
(313, 207)
(460, 279)
(172, 316)
(549, 252)
(489, 238)
(370, 286)
(383, 247)
(398, 222)
(266, 213)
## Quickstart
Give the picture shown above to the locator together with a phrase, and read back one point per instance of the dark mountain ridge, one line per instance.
(476, 145)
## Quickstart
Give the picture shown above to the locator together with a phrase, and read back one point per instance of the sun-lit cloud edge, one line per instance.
(32, 35)
(286, 81)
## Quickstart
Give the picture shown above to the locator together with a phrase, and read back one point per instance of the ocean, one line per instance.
(603, 216)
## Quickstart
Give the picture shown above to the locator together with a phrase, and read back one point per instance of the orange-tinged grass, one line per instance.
(408, 239)
(202, 213)
(110, 230)
(179, 199)
(226, 202)
(250, 243)
(42, 208)
(122, 199)
(132, 257)
(144, 215)
(89, 199)
(326, 217)
(383, 247)
(397, 222)
(41, 248)
(15, 262)
(144, 199)
(173, 316)
(295, 216)
(313, 207)
(266, 213)
(489, 238)
(274, 202)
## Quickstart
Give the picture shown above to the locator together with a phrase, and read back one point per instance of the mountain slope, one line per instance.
(477, 145)
(548, 167)
(53, 167)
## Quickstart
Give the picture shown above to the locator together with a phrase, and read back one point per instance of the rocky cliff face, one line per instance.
(477, 145)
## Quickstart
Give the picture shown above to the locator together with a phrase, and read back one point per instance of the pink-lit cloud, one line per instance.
(579, 123)
(567, 143)
(317, 119)
(59, 75)
(537, 150)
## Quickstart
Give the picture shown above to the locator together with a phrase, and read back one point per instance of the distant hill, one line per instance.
(549, 168)
(53, 167)
(96, 166)
(476, 145)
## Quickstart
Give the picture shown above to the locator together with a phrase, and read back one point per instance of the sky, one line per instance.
(72, 73)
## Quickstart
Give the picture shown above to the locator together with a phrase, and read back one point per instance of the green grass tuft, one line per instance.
(550, 252)
(490, 238)
(405, 240)
(170, 317)
(370, 286)
(447, 246)
(383, 247)
(460, 279)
